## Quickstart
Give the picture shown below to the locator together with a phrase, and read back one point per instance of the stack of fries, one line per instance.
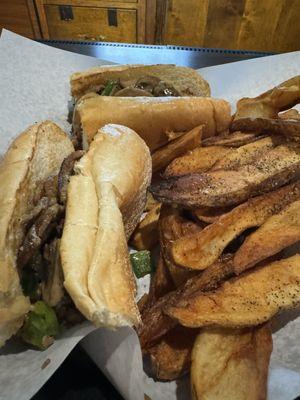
(224, 212)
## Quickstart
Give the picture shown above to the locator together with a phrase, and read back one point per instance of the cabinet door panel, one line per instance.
(91, 23)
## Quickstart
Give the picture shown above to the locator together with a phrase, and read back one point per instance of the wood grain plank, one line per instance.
(258, 23)
(42, 18)
(14, 16)
(223, 23)
(185, 22)
(286, 36)
(91, 23)
(161, 11)
(150, 21)
(34, 19)
(270, 25)
(93, 3)
(141, 22)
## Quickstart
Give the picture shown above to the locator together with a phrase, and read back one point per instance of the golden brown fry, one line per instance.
(210, 215)
(198, 160)
(143, 302)
(145, 235)
(201, 249)
(234, 139)
(171, 135)
(291, 114)
(220, 188)
(231, 364)
(260, 114)
(151, 202)
(245, 154)
(278, 232)
(164, 155)
(270, 103)
(248, 300)
(171, 357)
(279, 126)
(161, 282)
(156, 323)
(171, 226)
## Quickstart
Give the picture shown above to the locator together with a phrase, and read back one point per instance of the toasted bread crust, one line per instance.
(151, 117)
(110, 185)
(32, 157)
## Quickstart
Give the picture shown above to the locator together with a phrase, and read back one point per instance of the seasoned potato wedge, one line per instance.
(164, 155)
(171, 357)
(231, 364)
(245, 154)
(234, 139)
(145, 235)
(196, 251)
(171, 226)
(198, 160)
(248, 300)
(277, 233)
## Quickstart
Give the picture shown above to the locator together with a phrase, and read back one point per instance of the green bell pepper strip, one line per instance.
(141, 263)
(41, 326)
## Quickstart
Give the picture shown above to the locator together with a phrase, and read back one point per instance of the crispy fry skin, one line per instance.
(245, 154)
(270, 103)
(161, 282)
(291, 114)
(231, 364)
(222, 188)
(248, 300)
(171, 226)
(260, 114)
(278, 232)
(150, 203)
(171, 357)
(156, 323)
(145, 235)
(209, 215)
(200, 159)
(201, 249)
(287, 127)
(164, 155)
(234, 139)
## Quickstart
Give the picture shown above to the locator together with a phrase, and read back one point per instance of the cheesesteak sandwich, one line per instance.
(139, 80)
(157, 101)
(65, 218)
(154, 119)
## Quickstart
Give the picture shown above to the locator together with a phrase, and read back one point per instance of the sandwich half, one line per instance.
(65, 219)
(139, 80)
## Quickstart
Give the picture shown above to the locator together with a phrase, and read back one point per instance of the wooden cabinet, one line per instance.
(265, 25)
(90, 23)
(19, 16)
(112, 21)
(259, 25)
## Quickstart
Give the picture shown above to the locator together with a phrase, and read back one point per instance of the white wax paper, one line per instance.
(34, 85)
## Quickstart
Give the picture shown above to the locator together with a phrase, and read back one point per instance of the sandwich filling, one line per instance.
(38, 258)
(150, 86)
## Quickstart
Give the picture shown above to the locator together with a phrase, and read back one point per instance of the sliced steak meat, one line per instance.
(51, 189)
(39, 233)
(65, 173)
